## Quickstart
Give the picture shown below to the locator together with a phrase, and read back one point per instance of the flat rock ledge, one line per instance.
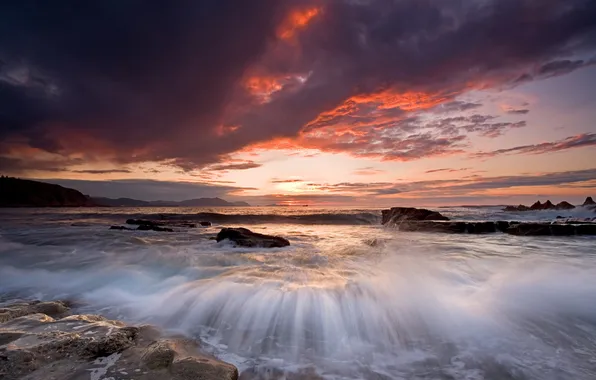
(40, 341)
(244, 237)
(411, 219)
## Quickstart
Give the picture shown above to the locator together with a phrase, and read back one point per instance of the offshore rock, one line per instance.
(564, 206)
(400, 214)
(38, 347)
(552, 229)
(244, 237)
(589, 202)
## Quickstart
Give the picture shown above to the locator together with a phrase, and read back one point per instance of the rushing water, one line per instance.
(349, 299)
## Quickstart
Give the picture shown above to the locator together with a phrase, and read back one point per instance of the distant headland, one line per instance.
(16, 192)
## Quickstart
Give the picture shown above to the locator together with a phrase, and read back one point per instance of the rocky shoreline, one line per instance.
(422, 220)
(44, 341)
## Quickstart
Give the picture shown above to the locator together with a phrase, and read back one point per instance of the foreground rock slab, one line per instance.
(244, 237)
(400, 214)
(36, 346)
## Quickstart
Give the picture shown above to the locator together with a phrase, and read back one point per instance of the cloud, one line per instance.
(579, 141)
(286, 180)
(129, 82)
(102, 171)
(513, 111)
(446, 170)
(369, 170)
(234, 166)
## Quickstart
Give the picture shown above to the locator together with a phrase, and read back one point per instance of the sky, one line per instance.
(325, 103)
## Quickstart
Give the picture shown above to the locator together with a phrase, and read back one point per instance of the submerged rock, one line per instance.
(246, 238)
(36, 346)
(205, 224)
(401, 214)
(161, 223)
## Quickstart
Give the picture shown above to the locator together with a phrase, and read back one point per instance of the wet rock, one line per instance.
(552, 229)
(156, 224)
(121, 228)
(564, 206)
(39, 347)
(190, 368)
(502, 225)
(589, 202)
(53, 309)
(586, 229)
(517, 208)
(159, 355)
(205, 224)
(246, 238)
(400, 214)
(148, 227)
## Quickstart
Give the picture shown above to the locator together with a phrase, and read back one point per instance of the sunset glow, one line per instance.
(334, 102)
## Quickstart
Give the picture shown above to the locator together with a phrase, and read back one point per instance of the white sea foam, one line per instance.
(421, 306)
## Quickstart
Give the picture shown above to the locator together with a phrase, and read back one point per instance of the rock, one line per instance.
(517, 208)
(205, 224)
(120, 228)
(154, 225)
(548, 205)
(536, 206)
(159, 355)
(586, 229)
(564, 206)
(555, 229)
(400, 214)
(246, 238)
(53, 309)
(38, 347)
(148, 227)
(589, 202)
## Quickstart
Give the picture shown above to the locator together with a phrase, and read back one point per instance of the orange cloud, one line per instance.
(296, 21)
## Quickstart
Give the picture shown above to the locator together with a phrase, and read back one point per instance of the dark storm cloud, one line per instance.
(152, 76)
(579, 141)
(155, 81)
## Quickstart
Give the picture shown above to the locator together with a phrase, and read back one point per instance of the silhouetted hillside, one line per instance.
(199, 202)
(15, 192)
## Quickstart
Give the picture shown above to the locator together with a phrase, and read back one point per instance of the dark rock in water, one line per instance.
(448, 226)
(517, 208)
(502, 225)
(586, 229)
(400, 214)
(589, 202)
(554, 229)
(149, 227)
(564, 206)
(156, 225)
(35, 346)
(537, 206)
(205, 224)
(246, 238)
(121, 228)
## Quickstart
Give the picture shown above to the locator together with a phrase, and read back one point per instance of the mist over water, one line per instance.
(344, 301)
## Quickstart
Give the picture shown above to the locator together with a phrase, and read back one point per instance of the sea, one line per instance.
(348, 299)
